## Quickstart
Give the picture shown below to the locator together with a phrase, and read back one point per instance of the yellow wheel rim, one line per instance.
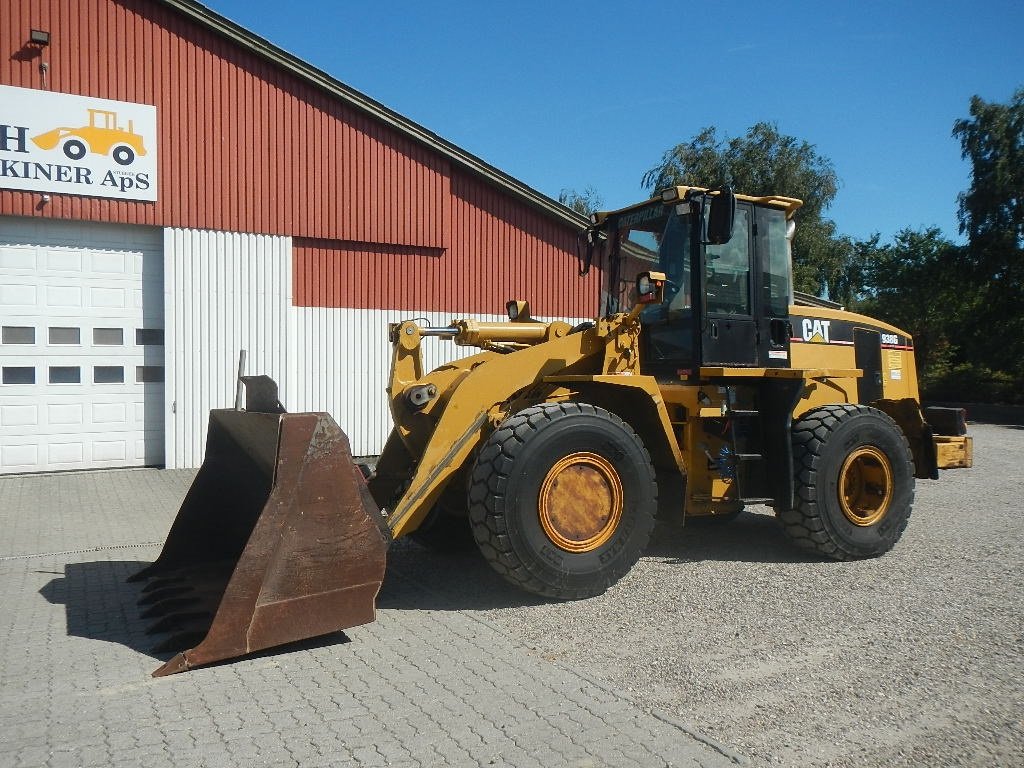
(865, 486)
(580, 502)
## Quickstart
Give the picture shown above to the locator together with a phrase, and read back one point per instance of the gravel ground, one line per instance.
(911, 659)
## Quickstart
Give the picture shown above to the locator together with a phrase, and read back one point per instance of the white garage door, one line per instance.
(81, 346)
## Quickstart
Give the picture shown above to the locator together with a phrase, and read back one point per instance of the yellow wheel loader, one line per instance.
(549, 444)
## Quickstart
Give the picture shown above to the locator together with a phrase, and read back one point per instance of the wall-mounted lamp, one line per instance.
(39, 37)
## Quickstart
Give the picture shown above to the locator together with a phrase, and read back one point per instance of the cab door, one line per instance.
(773, 287)
(867, 351)
(728, 331)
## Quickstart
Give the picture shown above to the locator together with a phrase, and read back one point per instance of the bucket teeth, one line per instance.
(170, 605)
(162, 582)
(176, 621)
(157, 595)
(179, 641)
(277, 540)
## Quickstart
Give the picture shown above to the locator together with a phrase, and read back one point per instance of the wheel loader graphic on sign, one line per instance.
(102, 136)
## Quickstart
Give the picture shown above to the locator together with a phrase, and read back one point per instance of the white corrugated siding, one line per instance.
(342, 360)
(223, 292)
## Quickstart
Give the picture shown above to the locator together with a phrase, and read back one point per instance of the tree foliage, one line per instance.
(991, 214)
(912, 283)
(964, 305)
(585, 203)
(765, 161)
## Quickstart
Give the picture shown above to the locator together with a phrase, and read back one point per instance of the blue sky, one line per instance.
(577, 94)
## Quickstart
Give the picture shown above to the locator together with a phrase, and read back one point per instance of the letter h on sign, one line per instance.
(16, 133)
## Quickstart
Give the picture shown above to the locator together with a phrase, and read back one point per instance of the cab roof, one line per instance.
(672, 194)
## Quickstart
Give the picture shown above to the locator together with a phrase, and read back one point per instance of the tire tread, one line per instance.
(487, 507)
(804, 524)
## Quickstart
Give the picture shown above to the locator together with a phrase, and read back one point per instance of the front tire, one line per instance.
(563, 499)
(75, 149)
(854, 483)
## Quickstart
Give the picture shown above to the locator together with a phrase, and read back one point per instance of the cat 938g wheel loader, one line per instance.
(550, 443)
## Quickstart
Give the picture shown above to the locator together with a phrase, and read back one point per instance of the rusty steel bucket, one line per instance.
(278, 540)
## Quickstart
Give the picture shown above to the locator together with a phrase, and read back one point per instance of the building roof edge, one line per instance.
(320, 79)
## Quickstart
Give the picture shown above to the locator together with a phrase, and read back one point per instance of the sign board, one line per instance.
(77, 145)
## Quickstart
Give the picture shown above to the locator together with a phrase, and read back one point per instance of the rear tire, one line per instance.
(854, 483)
(562, 499)
(123, 155)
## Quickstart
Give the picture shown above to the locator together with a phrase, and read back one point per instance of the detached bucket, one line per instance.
(277, 540)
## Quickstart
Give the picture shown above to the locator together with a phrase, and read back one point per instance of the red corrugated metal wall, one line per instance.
(497, 252)
(246, 146)
(243, 146)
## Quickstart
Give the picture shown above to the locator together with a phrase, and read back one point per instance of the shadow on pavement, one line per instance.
(749, 538)
(100, 604)
(419, 578)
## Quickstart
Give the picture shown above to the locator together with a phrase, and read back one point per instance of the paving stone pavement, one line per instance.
(419, 687)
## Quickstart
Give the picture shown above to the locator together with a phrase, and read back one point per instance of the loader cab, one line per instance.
(728, 289)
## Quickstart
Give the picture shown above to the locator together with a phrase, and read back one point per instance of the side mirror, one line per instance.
(650, 287)
(721, 217)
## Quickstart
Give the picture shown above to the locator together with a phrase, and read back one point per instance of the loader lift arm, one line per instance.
(443, 417)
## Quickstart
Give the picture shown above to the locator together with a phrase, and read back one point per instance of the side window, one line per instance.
(727, 270)
(675, 263)
(776, 271)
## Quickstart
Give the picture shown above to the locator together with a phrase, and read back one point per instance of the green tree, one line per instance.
(585, 203)
(991, 214)
(913, 284)
(847, 274)
(765, 161)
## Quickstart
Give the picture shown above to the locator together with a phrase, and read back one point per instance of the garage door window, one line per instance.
(65, 335)
(149, 336)
(149, 374)
(18, 374)
(65, 374)
(108, 374)
(18, 334)
(107, 336)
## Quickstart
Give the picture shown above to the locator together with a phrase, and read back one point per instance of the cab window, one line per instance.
(727, 270)
(776, 271)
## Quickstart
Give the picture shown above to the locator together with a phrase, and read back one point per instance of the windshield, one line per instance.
(654, 239)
